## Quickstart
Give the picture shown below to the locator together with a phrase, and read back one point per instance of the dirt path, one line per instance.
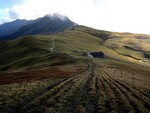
(92, 91)
(53, 44)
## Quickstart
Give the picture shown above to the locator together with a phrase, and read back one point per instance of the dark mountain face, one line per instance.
(11, 27)
(49, 24)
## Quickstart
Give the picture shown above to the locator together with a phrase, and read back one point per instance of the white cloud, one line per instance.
(4, 14)
(114, 15)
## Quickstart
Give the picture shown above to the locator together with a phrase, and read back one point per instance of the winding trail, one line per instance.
(53, 44)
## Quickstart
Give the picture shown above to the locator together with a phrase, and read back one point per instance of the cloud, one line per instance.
(113, 15)
(4, 14)
(77, 10)
(13, 14)
(57, 15)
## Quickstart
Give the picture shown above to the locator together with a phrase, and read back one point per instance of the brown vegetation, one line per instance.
(93, 91)
(26, 76)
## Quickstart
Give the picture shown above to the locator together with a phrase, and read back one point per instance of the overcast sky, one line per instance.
(113, 15)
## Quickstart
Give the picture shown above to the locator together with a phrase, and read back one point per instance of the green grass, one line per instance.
(30, 51)
(96, 83)
(135, 54)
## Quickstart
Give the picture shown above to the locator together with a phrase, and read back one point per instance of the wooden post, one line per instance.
(114, 71)
(121, 74)
(132, 78)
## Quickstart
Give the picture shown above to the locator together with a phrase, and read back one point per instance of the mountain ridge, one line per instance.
(49, 24)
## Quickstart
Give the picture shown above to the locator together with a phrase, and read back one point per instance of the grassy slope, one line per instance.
(89, 88)
(28, 52)
(34, 51)
(125, 46)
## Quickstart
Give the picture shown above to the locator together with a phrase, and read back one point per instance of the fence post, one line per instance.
(132, 78)
(114, 71)
(121, 74)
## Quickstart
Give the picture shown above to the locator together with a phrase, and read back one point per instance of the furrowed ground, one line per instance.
(99, 88)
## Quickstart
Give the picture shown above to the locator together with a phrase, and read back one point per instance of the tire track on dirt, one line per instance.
(138, 101)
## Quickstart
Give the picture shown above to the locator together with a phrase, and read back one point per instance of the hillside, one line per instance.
(53, 74)
(123, 43)
(73, 43)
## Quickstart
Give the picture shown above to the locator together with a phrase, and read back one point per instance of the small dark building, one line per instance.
(147, 55)
(97, 54)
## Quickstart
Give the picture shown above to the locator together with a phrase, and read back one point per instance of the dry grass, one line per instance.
(96, 89)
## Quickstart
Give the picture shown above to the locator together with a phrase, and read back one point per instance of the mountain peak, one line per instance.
(49, 24)
(56, 16)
